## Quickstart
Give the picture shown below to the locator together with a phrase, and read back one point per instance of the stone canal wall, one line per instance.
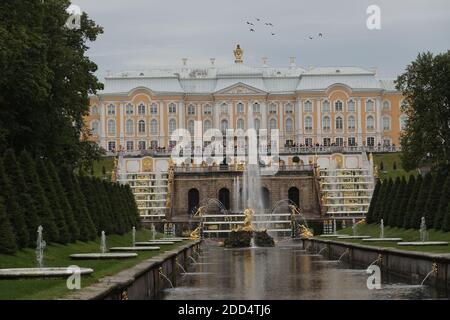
(143, 281)
(408, 265)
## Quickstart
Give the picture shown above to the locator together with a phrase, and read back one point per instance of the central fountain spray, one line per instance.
(40, 246)
(382, 229)
(103, 248)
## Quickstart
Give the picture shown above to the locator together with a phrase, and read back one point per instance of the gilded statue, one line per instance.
(248, 220)
(305, 232)
(238, 54)
(195, 235)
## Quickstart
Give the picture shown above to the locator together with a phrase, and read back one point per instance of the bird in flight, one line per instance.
(257, 19)
(310, 38)
(249, 23)
(252, 30)
(273, 33)
(321, 35)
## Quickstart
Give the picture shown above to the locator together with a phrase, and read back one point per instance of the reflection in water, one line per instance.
(271, 273)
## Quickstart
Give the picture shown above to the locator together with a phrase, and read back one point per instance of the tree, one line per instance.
(381, 166)
(13, 210)
(7, 239)
(45, 81)
(24, 200)
(407, 222)
(394, 165)
(443, 203)
(377, 214)
(426, 139)
(446, 223)
(419, 209)
(434, 195)
(370, 218)
(403, 203)
(41, 204)
(387, 200)
(397, 194)
(54, 201)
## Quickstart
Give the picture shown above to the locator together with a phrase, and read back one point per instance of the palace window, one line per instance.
(308, 106)
(111, 146)
(240, 107)
(141, 126)
(95, 128)
(191, 110)
(154, 127)
(338, 106)
(289, 108)
(191, 127)
(386, 106)
(273, 124)
(339, 123)
(351, 123)
(142, 145)
(272, 108)
(111, 110)
(172, 125)
(289, 125)
(351, 106)
(111, 127)
(351, 142)
(326, 123)
(308, 123)
(94, 110)
(154, 144)
(154, 108)
(339, 142)
(386, 123)
(172, 108)
(130, 145)
(240, 124)
(369, 106)
(129, 126)
(129, 109)
(256, 108)
(207, 125)
(207, 110)
(308, 142)
(224, 108)
(257, 124)
(141, 109)
(326, 106)
(370, 141)
(326, 142)
(224, 126)
(370, 123)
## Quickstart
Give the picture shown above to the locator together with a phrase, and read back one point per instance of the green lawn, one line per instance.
(388, 160)
(406, 235)
(58, 256)
(107, 163)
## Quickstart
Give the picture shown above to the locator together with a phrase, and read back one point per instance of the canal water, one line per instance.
(283, 273)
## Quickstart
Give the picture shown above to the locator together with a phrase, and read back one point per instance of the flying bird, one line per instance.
(252, 30)
(321, 35)
(257, 19)
(273, 33)
(310, 38)
(249, 23)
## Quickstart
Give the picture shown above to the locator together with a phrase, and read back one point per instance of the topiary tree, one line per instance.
(403, 203)
(446, 221)
(54, 201)
(441, 211)
(24, 200)
(394, 165)
(407, 223)
(40, 201)
(432, 203)
(377, 214)
(370, 213)
(7, 238)
(419, 209)
(13, 210)
(394, 205)
(387, 200)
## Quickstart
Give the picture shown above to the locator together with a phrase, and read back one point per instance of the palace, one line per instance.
(328, 119)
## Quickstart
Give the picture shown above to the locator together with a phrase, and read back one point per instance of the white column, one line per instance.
(359, 115)
(319, 120)
(162, 111)
(263, 115)
(379, 129)
(122, 124)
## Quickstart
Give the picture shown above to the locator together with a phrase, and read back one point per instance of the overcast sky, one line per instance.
(146, 33)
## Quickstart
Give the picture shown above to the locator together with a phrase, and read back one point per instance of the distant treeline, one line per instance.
(70, 208)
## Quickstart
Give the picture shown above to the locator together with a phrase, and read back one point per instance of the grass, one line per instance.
(406, 234)
(388, 160)
(107, 163)
(58, 256)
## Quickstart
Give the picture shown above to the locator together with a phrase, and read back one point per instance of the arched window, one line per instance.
(326, 106)
(308, 123)
(272, 108)
(273, 124)
(351, 106)
(224, 126)
(111, 127)
(240, 107)
(172, 108)
(207, 125)
(369, 105)
(351, 123)
(129, 109)
(95, 128)
(172, 125)
(265, 193)
(94, 110)
(403, 122)
(154, 127)
(191, 110)
(288, 108)
(154, 108)
(240, 124)
(339, 123)
(308, 106)
(224, 197)
(294, 195)
(386, 106)
(338, 106)
(141, 126)
(141, 109)
(224, 108)
(370, 123)
(191, 127)
(207, 110)
(193, 201)
(386, 121)
(111, 110)
(256, 107)
(289, 125)
(326, 123)
(257, 124)
(129, 126)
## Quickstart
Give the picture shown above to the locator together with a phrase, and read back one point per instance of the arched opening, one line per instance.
(193, 201)
(294, 196)
(224, 197)
(265, 193)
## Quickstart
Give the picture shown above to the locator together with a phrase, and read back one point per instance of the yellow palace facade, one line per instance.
(346, 107)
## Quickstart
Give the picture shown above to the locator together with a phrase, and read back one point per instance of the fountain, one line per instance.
(153, 231)
(423, 238)
(134, 247)
(355, 235)
(378, 259)
(434, 270)
(382, 229)
(103, 248)
(165, 277)
(382, 238)
(133, 235)
(40, 247)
